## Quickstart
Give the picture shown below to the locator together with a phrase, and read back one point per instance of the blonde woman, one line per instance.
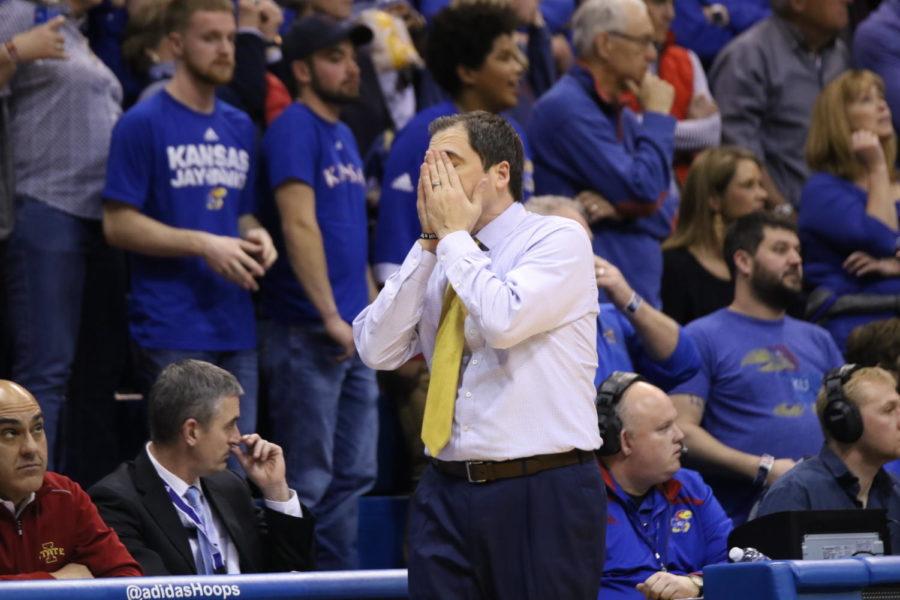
(723, 184)
(849, 206)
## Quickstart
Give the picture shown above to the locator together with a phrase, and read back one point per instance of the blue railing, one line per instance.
(337, 585)
(843, 579)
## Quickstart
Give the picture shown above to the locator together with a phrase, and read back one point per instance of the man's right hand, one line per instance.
(43, 41)
(73, 571)
(656, 95)
(424, 223)
(341, 332)
(663, 585)
(232, 258)
(781, 466)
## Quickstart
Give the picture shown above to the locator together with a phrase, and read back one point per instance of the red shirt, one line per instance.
(60, 526)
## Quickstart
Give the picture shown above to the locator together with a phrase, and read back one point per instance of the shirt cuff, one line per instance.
(418, 264)
(290, 507)
(659, 124)
(252, 31)
(454, 247)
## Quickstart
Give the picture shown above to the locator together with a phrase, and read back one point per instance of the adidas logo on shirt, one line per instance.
(210, 135)
(403, 183)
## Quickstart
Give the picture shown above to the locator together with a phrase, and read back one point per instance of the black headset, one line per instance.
(608, 395)
(841, 417)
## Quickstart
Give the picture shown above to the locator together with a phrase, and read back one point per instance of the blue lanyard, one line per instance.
(185, 509)
(659, 548)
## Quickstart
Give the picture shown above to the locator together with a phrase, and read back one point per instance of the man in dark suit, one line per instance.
(178, 509)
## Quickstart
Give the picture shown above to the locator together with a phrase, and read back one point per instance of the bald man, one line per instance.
(664, 524)
(48, 526)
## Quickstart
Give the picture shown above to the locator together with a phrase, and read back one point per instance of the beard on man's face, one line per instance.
(340, 95)
(217, 73)
(773, 290)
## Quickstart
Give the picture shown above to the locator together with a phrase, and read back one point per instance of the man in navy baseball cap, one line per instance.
(318, 32)
(317, 201)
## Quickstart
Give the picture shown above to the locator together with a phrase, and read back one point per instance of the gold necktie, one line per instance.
(445, 364)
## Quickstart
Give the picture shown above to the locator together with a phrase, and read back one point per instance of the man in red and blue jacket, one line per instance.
(663, 522)
(48, 525)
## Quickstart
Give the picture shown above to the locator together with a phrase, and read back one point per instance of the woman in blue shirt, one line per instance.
(849, 207)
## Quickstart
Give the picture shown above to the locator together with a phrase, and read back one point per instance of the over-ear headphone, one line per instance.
(841, 417)
(608, 395)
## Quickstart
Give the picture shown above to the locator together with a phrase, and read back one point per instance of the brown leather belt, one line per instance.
(482, 471)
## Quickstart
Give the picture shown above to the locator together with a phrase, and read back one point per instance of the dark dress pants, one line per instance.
(538, 537)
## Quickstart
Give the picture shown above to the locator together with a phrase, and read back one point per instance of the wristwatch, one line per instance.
(698, 581)
(634, 303)
(766, 462)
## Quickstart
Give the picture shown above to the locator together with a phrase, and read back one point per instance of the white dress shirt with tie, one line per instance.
(226, 545)
(526, 385)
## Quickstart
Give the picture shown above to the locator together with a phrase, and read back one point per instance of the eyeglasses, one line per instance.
(644, 40)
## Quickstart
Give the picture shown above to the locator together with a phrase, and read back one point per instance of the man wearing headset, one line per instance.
(859, 410)
(664, 524)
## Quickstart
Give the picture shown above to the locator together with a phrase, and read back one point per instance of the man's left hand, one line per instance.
(668, 586)
(597, 207)
(447, 206)
(266, 253)
(264, 464)
(248, 14)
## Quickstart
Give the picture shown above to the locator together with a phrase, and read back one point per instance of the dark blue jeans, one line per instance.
(47, 258)
(324, 415)
(240, 363)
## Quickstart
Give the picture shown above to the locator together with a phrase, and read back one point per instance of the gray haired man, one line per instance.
(178, 509)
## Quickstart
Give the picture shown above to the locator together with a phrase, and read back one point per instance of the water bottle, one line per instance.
(743, 555)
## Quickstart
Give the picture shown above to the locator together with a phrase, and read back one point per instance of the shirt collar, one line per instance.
(162, 70)
(881, 483)
(502, 226)
(178, 485)
(587, 81)
(797, 39)
(836, 466)
(669, 488)
(12, 507)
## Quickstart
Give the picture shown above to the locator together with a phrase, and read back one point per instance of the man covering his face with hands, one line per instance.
(509, 421)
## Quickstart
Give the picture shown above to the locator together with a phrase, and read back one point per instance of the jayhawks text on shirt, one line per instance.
(207, 164)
